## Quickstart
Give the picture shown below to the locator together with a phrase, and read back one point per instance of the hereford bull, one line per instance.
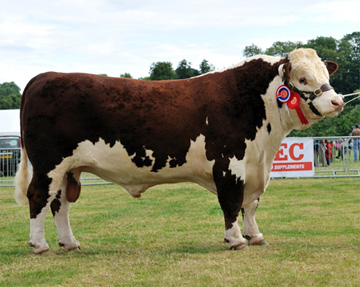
(220, 130)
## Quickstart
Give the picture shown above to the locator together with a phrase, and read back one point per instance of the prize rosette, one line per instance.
(283, 94)
(294, 101)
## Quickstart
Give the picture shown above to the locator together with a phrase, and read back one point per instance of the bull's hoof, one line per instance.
(255, 240)
(263, 242)
(40, 250)
(74, 248)
(70, 247)
(260, 242)
(241, 246)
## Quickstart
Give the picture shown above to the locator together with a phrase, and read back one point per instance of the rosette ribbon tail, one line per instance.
(301, 116)
(294, 103)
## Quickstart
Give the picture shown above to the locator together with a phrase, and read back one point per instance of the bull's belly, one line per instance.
(115, 165)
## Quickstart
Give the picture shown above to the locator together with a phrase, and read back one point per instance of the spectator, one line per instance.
(338, 146)
(328, 152)
(356, 142)
(319, 153)
(344, 149)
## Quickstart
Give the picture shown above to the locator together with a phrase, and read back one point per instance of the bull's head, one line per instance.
(308, 76)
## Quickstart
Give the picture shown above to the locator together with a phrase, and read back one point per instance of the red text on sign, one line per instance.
(295, 152)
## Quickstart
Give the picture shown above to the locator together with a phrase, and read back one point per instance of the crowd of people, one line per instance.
(326, 150)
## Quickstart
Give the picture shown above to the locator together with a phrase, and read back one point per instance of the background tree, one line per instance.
(205, 67)
(126, 75)
(252, 51)
(184, 70)
(162, 71)
(282, 49)
(347, 79)
(9, 96)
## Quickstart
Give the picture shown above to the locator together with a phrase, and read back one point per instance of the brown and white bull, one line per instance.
(220, 130)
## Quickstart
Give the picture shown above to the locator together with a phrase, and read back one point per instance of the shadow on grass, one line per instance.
(131, 250)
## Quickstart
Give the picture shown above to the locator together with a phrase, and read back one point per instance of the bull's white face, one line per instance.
(309, 73)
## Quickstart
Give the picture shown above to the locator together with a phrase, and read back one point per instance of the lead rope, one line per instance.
(349, 95)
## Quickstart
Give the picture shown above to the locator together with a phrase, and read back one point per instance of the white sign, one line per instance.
(295, 158)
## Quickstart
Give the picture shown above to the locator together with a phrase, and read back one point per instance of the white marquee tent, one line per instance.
(9, 122)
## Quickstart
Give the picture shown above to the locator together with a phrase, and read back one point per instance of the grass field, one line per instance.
(173, 236)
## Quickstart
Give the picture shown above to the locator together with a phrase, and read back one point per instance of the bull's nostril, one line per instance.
(335, 103)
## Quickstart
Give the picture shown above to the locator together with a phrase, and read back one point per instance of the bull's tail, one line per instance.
(24, 173)
(22, 179)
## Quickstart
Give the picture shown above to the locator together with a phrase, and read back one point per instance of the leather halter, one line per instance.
(316, 93)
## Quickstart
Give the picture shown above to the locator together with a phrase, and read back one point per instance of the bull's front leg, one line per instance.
(251, 230)
(230, 189)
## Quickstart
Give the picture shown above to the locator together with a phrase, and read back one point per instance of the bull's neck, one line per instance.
(280, 120)
(283, 120)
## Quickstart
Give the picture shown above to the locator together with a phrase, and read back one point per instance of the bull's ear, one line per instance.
(331, 66)
(284, 71)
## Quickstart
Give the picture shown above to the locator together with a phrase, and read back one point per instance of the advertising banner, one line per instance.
(295, 158)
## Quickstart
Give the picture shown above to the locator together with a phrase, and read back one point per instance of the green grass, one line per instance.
(173, 236)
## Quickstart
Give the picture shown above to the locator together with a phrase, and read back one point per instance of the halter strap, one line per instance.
(316, 93)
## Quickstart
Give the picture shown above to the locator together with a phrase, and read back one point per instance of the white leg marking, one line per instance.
(61, 217)
(250, 226)
(37, 233)
(233, 235)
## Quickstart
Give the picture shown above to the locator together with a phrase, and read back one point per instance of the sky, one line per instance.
(117, 36)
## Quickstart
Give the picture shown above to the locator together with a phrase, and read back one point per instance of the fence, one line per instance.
(333, 157)
(9, 159)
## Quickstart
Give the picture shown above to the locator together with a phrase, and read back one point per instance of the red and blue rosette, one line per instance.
(283, 94)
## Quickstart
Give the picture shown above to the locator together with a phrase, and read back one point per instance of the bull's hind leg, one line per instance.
(251, 230)
(69, 192)
(39, 202)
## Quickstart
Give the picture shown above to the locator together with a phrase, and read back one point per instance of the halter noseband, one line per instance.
(316, 93)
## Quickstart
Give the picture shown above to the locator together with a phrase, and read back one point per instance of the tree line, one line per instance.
(345, 52)
(165, 71)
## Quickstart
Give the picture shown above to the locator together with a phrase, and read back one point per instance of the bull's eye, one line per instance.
(303, 81)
